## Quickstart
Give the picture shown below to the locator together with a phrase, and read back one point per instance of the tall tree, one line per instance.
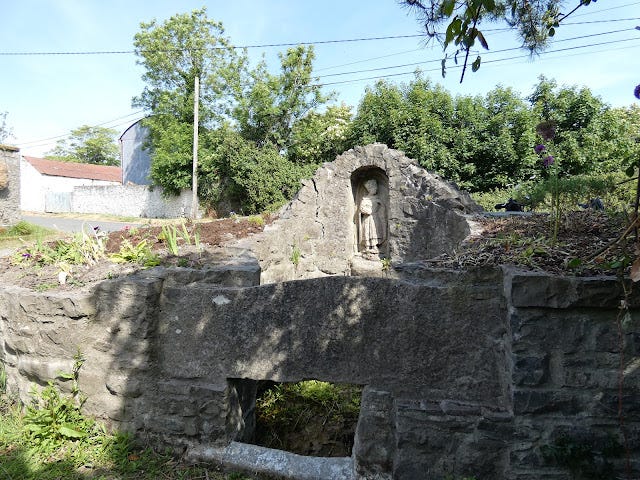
(87, 144)
(173, 54)
(480, 143)
(320, 136)
(535, 22)
(589, 137)
(274, 103)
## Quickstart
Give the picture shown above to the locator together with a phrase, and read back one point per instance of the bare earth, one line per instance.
(212, 234)
(588, 243)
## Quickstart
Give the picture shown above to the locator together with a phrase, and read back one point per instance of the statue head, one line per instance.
(371, 186)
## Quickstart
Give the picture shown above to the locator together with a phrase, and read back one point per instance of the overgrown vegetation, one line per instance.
(309, 418)
(53, 440)
(23, 232)
(261, 132)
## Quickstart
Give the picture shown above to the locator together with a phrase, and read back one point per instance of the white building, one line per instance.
(46, 185)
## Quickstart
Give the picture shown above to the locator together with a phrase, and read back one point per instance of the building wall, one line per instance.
(130, 201)
(135, 159)
(35, 188)
(10, 189)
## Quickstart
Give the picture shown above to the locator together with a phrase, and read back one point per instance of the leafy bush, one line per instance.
(140, 253)
(81, 249)
(574, 190)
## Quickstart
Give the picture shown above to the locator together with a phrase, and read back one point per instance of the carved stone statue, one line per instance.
(372, 220)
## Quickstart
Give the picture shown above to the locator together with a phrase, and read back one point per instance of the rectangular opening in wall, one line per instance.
(311, 417)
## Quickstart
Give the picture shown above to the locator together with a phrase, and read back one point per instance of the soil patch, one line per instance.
(588, 243)
(211, 235)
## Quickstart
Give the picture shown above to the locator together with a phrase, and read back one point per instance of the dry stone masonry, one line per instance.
(324, 232)
(484, 373)
(9, 185)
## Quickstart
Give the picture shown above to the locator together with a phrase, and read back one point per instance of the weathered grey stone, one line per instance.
(465, 373)
(316, 327)
(9, 185)
(255, 459)
(425, 216)
(535, 289)
(374, 443)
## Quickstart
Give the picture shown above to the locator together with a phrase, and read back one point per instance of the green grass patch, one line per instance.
(24, 232)
(50, 439)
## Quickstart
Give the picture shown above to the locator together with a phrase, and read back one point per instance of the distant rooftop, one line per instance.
(75, 170)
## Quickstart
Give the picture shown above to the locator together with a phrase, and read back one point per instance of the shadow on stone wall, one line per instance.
(184, 357)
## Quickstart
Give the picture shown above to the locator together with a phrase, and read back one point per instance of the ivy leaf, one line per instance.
(489, 5)
(574, 263)
(453, 31)
(476, 64)
(470, 38)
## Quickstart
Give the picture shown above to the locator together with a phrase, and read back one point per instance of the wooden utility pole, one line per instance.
(194, 184)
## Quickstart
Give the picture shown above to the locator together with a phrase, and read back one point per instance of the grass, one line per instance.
(23, 232)
(98, 455)
(50, 439)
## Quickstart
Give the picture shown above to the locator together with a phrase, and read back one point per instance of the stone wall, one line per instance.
(465, 373)
(316, 234)
(9, 185)
(130, 201)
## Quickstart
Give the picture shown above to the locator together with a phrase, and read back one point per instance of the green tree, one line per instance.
(275, 103)
(493, 139)
(254, 125)
(480, 143)
(320, 137)
(590, 137)
(534, 21)
(173, 54)
(87, 144)
(251, 178)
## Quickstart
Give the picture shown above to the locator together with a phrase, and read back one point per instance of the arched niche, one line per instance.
(370, 191)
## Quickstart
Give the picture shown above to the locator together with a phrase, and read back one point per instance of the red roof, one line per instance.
(75, 170)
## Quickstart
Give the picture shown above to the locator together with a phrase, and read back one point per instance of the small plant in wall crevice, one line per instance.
(295, 255)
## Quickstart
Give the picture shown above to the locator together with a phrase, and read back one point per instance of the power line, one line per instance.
(486, 53)
(266, 45)
(44, 141)
(342, 82)
(270, 45)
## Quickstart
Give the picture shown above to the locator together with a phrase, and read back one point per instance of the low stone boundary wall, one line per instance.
(130, 201)
(474, 373)
(9, 185)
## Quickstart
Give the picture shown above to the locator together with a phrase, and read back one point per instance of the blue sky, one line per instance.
(47, 96)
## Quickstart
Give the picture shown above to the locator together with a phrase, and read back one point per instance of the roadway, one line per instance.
(67, 223)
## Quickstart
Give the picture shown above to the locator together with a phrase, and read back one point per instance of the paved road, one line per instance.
(68, 224)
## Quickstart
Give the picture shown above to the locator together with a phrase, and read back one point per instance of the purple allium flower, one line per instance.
(636, 92)
(548, 160)
(539, 148)
(26, 255)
